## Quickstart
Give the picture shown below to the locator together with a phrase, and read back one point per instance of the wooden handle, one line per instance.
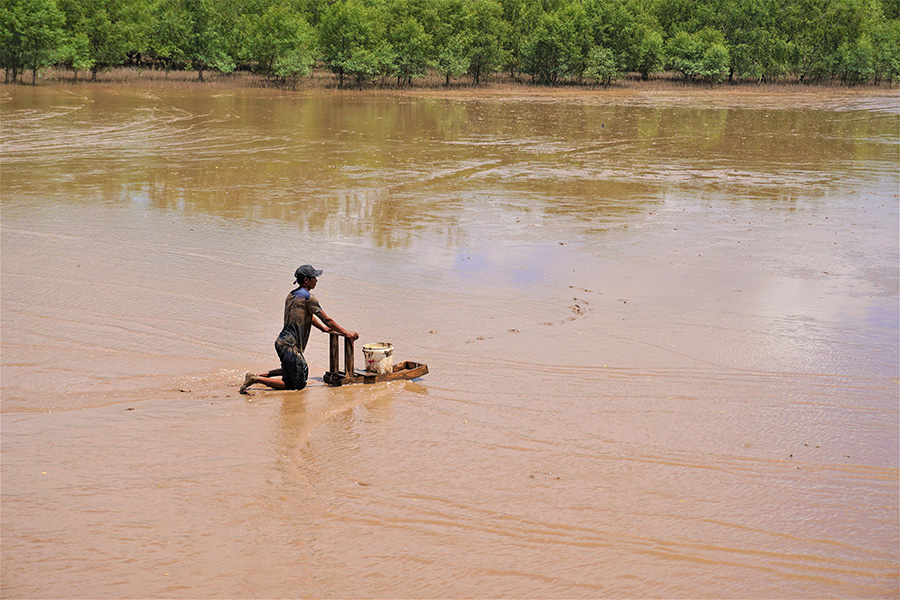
(333, 351)
(348, 357)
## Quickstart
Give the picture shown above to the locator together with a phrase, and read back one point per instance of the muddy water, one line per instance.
(662, 332)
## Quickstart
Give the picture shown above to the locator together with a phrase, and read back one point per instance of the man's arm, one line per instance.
(334, 327)
(319, 326)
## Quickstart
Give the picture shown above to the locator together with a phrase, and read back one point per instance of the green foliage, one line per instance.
(365, 64)
(612, 24)
(347, 38)
(169, 34)
(411, 48)
(856, 62)
(521, 17)
(714, 63)
(674, 16)
(235, 23)
(75, 54)
(602, 66)
(11, 42)
(31, 35)
(645, 51)
(701, 55)
(851, 41)
(362, 64)
(384, 59)
(886, 45)
(443, 20)
(453, 58)
(110, 28)
(763, 55)
(827, 31)
(891, 9)
(580, 40)
(483, 20)
(550, 51)
(189, 34)
(206, 45)
(281, 43)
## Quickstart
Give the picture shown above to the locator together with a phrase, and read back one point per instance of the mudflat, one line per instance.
(661, 328)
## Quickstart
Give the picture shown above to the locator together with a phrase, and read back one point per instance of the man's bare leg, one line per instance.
(275, 384)
(250, 379)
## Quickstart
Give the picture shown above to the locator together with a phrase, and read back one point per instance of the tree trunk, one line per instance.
(34, 76)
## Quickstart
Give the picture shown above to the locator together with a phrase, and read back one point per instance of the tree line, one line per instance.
(549, 41)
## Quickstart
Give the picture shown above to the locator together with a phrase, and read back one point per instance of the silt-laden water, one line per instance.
(662, 330)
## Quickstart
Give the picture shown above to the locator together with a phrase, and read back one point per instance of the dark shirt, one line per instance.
(299, 308)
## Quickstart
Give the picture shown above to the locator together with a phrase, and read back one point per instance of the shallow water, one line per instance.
(662, 331)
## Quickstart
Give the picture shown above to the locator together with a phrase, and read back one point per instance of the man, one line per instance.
(301, 313)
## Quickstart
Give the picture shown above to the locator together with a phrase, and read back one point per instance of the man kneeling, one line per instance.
(301, 313)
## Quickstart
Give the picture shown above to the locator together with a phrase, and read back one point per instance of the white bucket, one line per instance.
(379, 357)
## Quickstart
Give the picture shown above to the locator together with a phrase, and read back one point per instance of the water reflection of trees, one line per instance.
(389, 221)
(388, 167)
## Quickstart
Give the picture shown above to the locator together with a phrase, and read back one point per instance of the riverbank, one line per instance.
(499, 83)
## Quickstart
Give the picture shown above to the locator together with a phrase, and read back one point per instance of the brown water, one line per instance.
(662, 332)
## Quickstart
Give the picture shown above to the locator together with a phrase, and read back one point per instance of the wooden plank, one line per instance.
(404, 370)
(348, 356)
(333, 357)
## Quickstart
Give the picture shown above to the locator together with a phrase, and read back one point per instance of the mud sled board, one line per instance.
(335, 377)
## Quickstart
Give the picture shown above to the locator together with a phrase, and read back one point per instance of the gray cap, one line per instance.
(306, 271)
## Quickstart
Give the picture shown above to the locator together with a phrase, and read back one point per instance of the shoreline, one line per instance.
(322, 80)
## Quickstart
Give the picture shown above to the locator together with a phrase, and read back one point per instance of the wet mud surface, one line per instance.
(662, 335)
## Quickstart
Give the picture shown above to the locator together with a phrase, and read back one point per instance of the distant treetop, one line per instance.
(550, 42)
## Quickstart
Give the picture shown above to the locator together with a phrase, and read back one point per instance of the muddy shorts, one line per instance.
(294, 367)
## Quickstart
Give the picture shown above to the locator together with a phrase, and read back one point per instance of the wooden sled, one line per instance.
(333, 376)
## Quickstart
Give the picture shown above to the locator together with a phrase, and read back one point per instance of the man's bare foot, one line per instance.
(249, 379)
